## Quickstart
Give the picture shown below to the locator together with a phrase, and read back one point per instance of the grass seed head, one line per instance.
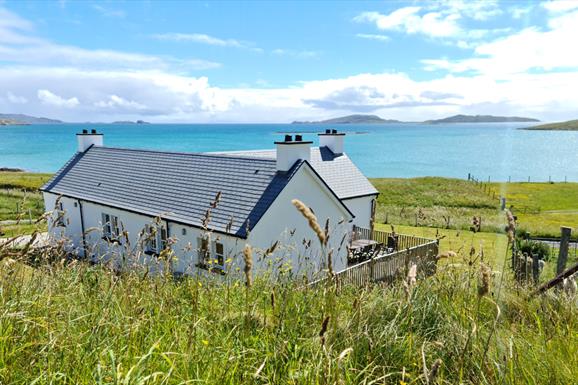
(248, 259)
(485, 279)
(312, 219)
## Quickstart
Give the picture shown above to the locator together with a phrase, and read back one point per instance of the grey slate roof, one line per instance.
(338, 171)
(177, 186)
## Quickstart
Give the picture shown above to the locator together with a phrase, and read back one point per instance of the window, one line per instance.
(110, 227)
(211, 259)
(203, 247)
(220, 255)
(60, 213)
(155, 239)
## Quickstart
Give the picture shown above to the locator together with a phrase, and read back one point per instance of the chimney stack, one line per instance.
(290, 151)
(85, 140)
(333, 140)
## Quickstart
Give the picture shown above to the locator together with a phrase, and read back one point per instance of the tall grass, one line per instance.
(64, 322)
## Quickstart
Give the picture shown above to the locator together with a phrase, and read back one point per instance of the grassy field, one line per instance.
(440, 202)
(543, 207)
(19, 195)
(20, 200)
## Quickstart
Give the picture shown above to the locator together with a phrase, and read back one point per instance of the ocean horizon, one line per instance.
(498, 151)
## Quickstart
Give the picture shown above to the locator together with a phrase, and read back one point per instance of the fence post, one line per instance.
(535, 268)
(563, 254)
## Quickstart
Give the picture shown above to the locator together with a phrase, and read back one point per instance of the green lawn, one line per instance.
(492, 245)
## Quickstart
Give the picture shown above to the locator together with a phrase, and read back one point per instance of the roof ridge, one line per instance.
(203, 154)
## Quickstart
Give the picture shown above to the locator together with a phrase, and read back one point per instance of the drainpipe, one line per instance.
(82, 229)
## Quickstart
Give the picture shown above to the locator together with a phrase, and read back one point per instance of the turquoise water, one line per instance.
(498, 151)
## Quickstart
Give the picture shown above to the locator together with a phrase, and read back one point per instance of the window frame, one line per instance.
(110, 227)
(60, 212)
(208, 253)
(155, 243)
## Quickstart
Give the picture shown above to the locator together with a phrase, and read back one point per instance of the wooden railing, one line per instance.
(390, 267)
(401, 241)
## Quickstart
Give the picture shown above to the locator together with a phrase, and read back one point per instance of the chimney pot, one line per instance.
(288, 138)
(93, 131)
(298, 138)
(85, 131)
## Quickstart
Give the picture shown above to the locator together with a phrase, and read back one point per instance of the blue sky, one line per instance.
(283, 61)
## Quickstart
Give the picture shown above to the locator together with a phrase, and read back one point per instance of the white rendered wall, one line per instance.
(72, 232)
(361, 207)
(185, 247)
(282, 219)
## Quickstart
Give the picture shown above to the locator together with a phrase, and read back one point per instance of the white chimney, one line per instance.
(86, 139)
(333, 140)
(290, 151)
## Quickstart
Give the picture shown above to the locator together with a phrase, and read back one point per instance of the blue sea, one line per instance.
(498, 151)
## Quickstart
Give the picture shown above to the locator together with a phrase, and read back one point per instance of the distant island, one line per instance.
(353, 119)
(11, 122)
(20, 119)
(570, 125)
(480, 119)
(374, 119)
(130, 122)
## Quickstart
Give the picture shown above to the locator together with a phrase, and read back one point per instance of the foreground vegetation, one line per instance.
(80, 324)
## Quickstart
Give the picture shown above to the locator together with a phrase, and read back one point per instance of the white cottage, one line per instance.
(108, 202)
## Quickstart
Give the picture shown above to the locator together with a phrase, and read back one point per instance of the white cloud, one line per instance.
(14, 99)
(560, 5)
(529, 49)
(409, 21)
(370, 36)
(109, 12)
(115, 102)
(52, 99)
(18, 44)
(305, 54)
(439, 20)
(206, 39)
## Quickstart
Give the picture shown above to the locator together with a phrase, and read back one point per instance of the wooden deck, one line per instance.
(395, 254)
